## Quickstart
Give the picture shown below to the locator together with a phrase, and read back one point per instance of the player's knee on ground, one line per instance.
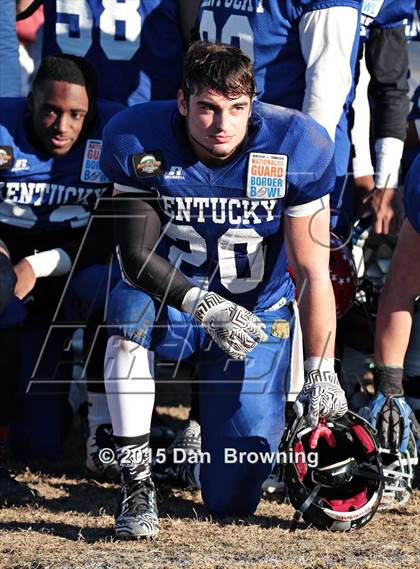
(231, 480)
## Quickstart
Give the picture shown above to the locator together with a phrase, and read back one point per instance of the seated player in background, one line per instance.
(215, 195)
(50, 180)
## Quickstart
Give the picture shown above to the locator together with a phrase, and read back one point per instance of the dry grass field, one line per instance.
(71, 527)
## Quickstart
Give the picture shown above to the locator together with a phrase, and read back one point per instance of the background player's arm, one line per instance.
(387, 62)
(188, 10)
(307, 242)
(327, 37)
(394, 318)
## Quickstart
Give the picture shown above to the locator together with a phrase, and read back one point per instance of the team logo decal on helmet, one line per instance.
(343, 490)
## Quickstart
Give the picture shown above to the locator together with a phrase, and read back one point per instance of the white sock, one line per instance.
(130, 386)
(98, 413)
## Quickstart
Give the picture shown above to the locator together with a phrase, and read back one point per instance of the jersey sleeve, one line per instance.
(120, 145)
(412, 194)
(312, 173)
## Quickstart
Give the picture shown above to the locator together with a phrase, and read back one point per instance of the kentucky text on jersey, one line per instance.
(219, 210)
(243, 5)
(37, 193)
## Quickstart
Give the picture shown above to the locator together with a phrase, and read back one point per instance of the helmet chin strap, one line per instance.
(299, 512)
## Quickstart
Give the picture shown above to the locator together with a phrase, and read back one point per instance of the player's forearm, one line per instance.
(393, 323)
(137, 233)
(189, 13)
(317, 313)
(392, 334)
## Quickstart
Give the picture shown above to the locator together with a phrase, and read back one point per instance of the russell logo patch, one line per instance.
(6, 157)
(266, 176)
(91, 172)
(148, 164)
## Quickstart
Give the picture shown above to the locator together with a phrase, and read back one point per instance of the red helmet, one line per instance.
(342, 274)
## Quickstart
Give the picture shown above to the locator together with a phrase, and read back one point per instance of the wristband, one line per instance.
(192, 298)
(52, 263)
(388, 380)
(388, 157)
(318, 363)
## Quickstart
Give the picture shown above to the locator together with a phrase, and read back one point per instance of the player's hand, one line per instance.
(26, 279)
(386, 208)
(234, 329)
(390, 415)
(321, 396)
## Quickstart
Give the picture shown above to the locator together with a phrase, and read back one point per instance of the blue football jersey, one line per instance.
(223, 227)
(42, 192)
(268, 31)
(136, 46)
(412, 194)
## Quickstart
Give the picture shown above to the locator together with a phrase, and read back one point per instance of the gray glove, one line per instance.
(321, 396)
(234, 328)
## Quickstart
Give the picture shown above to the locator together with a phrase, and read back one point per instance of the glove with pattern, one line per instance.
(234, 329)
(321, 396)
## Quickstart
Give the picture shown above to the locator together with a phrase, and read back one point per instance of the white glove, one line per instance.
(321, 395)
(234, 328)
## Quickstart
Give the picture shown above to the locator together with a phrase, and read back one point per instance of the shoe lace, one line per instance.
(138, 499)
(188, 438)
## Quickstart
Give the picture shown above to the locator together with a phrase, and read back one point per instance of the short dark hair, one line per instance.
(71, 69)
(218, 67)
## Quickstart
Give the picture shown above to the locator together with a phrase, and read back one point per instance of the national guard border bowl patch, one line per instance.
(266, 176)
(280, 329)
(6, 157)
(148, 164)
(91, 171)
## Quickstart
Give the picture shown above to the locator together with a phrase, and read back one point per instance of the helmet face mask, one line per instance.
(399, 472)
(343, 490)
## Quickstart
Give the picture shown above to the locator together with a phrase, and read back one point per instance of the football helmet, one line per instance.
(342, 275)
(341, 489)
